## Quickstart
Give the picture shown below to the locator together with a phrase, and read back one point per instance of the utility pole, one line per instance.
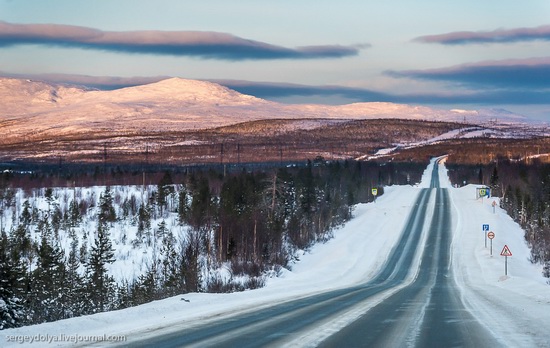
(104, 164)
(221, 158)
(238, 153)
(280, 154)
(143, 171)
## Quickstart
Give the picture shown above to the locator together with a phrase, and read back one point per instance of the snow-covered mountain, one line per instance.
(38, 108)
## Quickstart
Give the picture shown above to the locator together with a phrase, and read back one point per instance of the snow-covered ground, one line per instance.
(505, 132)
(516, 308)
(131, 260)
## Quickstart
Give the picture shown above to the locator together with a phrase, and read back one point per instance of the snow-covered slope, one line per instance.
(32, 108)
(516, 308)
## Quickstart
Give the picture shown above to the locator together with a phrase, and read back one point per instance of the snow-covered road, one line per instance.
(516, 309)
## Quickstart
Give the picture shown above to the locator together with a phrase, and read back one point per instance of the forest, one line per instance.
(72, 250)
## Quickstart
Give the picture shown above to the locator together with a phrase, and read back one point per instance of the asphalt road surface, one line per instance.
(395, 309)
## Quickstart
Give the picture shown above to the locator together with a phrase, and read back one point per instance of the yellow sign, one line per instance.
(374, 191)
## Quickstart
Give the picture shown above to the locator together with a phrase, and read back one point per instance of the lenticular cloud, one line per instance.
(210, 45)
(495, 36)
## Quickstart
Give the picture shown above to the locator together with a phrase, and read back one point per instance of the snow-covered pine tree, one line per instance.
(76, 301)
(48, 279)
(189, 267)
(165, 188)
(144, 225)
(74, 214)
(106, 209)
(13, 312)
(100, 284)
(183, 209)
(146, 289)
(170, 278)
(26, 214)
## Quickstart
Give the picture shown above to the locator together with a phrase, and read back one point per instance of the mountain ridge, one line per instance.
(35, 107)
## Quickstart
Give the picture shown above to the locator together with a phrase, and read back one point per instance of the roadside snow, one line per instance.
(516, 308)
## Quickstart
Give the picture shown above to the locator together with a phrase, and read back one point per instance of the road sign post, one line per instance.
(505, 252)
(491, 235)
(374, 192)
(485, 228)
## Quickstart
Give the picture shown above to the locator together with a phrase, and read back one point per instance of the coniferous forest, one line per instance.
(72, 250)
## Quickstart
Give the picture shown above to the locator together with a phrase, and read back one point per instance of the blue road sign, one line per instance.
(485, 227)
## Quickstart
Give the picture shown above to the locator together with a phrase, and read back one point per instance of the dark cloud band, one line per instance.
(281, 90)
(506, 74)
(209, 45)
(495, 36)
(484, 97)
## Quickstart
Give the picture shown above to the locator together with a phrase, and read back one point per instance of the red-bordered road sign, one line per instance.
(505, 251)
(491, 235)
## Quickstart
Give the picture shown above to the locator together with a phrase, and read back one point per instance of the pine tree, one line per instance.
(183, 209)
(100, 283)
(480, 176)
(124, 296)
(144, 224)
(74, 296)
(171, 282)
(106, 209)
(162, 230)
(26, 216)
(200, 210)
(48, 279)
(74, 214)
(147, 288)
(189, 264)
(165, 188)
(56, 219)
(13, 312)
(83, 252)
(49, 197)
(21, 240)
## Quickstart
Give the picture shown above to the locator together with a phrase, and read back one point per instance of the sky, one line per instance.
(467, 54)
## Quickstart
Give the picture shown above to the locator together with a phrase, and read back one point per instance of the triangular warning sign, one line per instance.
(505, 251)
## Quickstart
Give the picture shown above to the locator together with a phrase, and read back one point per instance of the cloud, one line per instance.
(96, 82)
(533, 73)
(495, 36)
(281, 91)
(201, 44)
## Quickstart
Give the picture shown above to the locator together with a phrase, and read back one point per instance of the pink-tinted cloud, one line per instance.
(495, 36)
(212, 45)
